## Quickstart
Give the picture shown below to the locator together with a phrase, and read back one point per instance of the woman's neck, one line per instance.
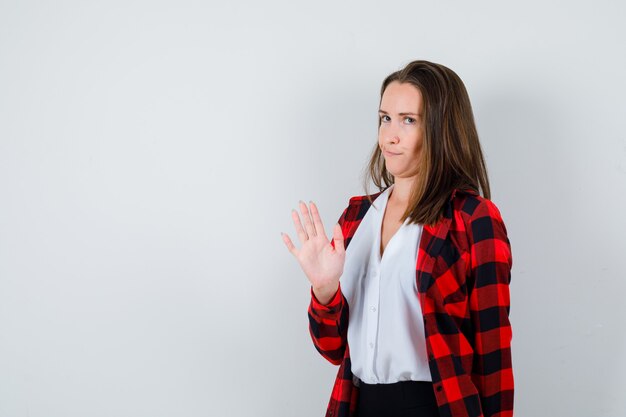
(400, 194)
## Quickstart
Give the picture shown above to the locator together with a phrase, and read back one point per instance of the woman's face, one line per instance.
(401, 129)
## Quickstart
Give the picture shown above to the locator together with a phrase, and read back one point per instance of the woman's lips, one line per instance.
(390, 153)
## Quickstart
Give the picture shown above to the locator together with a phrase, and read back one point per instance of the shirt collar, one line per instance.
(462, 190)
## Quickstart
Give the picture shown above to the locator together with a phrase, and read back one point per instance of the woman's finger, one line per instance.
(338, 239)
(302, 235)
(310, 228)
(289, 244)
(317, 221)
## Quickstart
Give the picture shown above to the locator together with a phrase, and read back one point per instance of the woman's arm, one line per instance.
(328, 323)
(491, 263)
(328, 326)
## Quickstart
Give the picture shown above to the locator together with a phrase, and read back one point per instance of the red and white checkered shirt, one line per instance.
(463, 273)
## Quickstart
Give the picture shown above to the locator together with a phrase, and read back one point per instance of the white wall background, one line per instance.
(151, 152)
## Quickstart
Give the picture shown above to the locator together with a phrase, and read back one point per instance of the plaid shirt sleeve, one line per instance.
(328, 323)
(489, 304)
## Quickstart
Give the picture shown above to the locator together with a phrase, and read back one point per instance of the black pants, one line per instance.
(401, 399)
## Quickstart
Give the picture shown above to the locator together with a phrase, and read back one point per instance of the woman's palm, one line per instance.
(321, 262)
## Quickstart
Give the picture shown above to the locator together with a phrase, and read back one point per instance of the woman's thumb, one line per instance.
(337, 241)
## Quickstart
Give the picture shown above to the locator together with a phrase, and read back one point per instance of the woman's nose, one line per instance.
(392, 138)
(392, 132)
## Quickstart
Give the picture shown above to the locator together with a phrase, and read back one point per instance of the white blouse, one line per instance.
(385, 329)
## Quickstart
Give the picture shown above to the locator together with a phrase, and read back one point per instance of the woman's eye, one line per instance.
(382, 118)
(410, 119)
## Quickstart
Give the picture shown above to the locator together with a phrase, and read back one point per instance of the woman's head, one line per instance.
(438, 144)
(401, 129)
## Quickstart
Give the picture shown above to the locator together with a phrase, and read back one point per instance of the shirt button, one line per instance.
(439, 388)
(373, 309)
(371, 345)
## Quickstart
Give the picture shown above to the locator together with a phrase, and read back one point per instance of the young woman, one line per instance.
(411, 297)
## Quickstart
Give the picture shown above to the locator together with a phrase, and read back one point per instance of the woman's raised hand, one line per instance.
(322, 264)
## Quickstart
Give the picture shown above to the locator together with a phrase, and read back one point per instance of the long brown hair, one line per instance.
(451, 155)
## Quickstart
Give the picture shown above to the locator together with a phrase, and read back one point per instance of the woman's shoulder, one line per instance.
(358, 206)
(363, 200)
(472, 205)
(466, 203)
(480, 216)
(371, 195)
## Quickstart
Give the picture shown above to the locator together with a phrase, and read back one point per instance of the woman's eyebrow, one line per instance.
(400, 114)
